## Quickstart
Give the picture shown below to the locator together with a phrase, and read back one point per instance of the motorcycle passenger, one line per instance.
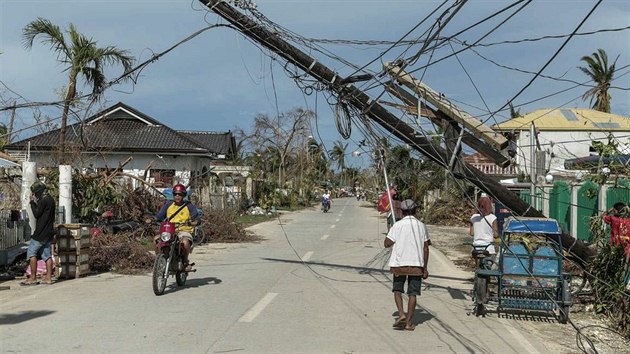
(186, 219)
(326, 199)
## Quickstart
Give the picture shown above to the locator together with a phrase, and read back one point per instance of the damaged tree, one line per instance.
(373, 110)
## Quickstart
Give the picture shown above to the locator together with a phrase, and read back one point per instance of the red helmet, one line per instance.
(179, 188)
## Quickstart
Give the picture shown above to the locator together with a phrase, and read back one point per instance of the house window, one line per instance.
(163, 178)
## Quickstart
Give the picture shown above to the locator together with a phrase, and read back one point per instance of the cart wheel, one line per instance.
(563, 315)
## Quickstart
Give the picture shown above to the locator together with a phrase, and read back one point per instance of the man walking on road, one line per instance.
(408, 261)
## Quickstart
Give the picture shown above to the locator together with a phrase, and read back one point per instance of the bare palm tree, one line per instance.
(599, 71)
(81, 57)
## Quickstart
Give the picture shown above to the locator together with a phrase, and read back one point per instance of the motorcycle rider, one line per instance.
(326, 199)
(186, 219)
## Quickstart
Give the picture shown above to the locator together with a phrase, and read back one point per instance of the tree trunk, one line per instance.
(64, 117)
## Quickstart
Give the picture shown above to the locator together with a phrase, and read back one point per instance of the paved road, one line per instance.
(315, 284)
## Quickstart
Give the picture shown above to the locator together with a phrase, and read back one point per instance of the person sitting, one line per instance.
(326, 199)
(185, 215)
(483, 226)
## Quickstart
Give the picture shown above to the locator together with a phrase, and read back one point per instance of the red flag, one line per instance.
(383, 201)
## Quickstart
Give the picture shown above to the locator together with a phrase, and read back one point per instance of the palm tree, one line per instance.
(599, 71)
(81, 57)
(338, 154)
(514, 113)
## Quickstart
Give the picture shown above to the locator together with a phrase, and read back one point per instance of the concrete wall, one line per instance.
(563, 144)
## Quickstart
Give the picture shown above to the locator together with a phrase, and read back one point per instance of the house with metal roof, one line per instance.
(144, 147)
(562, 134)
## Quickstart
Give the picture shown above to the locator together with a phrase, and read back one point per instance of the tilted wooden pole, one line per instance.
(379, 114)
(437, 117)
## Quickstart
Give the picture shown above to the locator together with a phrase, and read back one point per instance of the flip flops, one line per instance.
(400, 323)
(29, 283)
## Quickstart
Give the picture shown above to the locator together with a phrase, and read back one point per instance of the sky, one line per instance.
(220, 80)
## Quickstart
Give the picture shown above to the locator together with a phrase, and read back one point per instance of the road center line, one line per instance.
(253, 312)
(337, 220)
(332, 226)
(324, 237)
(307, 256)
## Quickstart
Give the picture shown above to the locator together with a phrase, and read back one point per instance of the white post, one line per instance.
(574, 209)
(532, 165)
(65, 191)
(29, 176)
(389, 195)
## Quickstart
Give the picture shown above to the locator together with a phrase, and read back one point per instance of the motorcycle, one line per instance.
(325, 205)
(168, 259)
(484, 262)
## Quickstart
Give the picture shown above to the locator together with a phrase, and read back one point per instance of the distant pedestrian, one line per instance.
(408, 262)
(40, 245)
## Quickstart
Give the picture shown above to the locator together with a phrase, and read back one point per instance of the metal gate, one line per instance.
(560, 205)
(587, 201)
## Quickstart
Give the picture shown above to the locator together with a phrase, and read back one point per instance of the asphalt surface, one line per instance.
(317, 283)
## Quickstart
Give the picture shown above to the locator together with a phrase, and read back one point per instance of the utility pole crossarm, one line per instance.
(478, 129)
(437, 116)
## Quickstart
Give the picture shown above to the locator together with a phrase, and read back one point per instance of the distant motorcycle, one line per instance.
(325, 205)
(168, 260)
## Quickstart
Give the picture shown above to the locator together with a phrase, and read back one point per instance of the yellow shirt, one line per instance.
(181, 217)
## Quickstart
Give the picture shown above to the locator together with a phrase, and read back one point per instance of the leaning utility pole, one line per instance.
(372, 109)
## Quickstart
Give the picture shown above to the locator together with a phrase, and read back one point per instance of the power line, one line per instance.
(550, 59)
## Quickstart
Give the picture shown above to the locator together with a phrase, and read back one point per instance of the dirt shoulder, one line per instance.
(560, 338)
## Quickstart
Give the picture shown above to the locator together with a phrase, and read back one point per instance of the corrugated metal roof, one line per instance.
(7, 163)
(576, 119)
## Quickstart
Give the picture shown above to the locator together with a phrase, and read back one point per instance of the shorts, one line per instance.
(414, 282)
(40, 250)
(186, 235)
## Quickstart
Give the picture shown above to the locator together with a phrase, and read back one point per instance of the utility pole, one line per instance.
(373, 110)
(10, 132)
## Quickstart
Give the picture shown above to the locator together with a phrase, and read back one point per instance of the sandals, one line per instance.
(400, 323)
(29, 283)
(189, 267)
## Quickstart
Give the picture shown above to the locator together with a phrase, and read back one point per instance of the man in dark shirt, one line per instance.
(43, 207)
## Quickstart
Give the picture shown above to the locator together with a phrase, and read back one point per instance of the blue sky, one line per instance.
(220, 80)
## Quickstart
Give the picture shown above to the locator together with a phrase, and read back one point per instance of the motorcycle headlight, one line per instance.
(165, 236)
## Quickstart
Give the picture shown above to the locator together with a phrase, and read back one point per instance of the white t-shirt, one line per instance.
(409, 235)
(482, 230)
(326, 196)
